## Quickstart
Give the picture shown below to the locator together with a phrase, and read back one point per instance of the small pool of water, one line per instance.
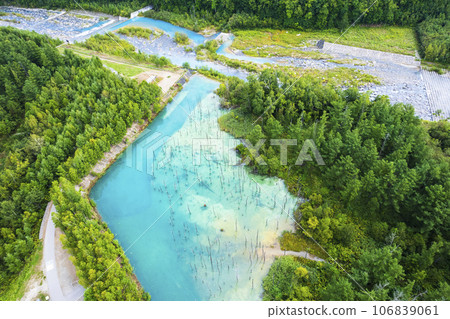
(194, 225)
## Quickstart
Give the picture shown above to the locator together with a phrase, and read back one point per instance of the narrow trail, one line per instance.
(276, 251)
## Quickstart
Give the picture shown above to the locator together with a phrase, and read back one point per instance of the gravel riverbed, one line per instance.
(402, 77)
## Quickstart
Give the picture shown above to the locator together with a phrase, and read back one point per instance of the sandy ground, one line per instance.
(276, 251)
(166, 79)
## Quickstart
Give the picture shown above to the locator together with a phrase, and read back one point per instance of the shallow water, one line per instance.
(153, 199)
(196, 38)
(168, 28)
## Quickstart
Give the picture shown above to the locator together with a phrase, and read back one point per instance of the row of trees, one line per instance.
(101, 264)
(434, 37)
(376, 275)
(311, 14)
(60, 113)
(317, 14)
(385, 182)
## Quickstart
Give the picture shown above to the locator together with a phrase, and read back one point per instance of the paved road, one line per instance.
(50, 268)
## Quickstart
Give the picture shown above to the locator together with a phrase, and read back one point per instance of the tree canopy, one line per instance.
(59, 114)
(379, 205)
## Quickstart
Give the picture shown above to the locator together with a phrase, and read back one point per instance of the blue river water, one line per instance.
(194, 224)
(196, 38)
(167, 27)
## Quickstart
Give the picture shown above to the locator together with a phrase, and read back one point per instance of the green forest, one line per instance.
(434, 38)
(313, 14)
(59, 113)
(378, 210)
(309, 14)
(379, 206)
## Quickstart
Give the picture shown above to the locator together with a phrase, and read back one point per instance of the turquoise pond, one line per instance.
(153, 199)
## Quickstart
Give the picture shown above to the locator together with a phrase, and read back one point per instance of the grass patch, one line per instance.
(138, 32)
(10, 20)
(111, 44)
(238, 64)
(355, 61)
(124, 69)
(286, 52)
(296, 242)
(16, 289)
(181, 38)
(389, 39)
(340, 76)
(236, 122)
(212, 74)
(20, 15)
(437, 67)
(82, 16)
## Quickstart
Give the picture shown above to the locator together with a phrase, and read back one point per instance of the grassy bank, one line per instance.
(335, 76)
(389, 39)
(129, 68)
(123, 66)
(340, 76)
(285, 52)
(138, 32)
(111, 44)
(124, 69)
(17, 287)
